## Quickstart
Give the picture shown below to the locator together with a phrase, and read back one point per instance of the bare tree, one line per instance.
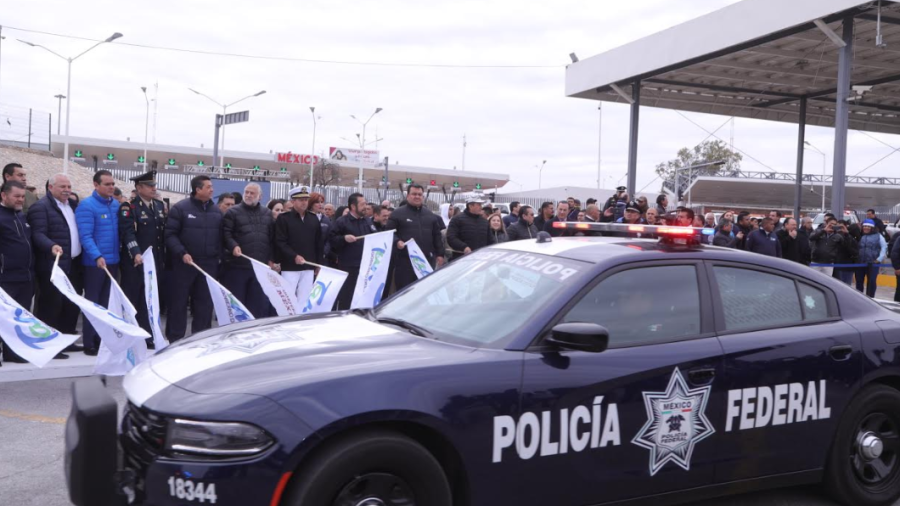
(326, 173)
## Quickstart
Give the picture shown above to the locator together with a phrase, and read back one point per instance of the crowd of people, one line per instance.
(105, 235)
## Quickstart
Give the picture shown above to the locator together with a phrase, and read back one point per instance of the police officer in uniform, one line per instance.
(142, 223)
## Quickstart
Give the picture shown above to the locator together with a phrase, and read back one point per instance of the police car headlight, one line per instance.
(216, 438)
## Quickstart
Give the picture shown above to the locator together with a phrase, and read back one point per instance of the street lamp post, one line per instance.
(146, 124)
(363, 144)
(224, 112)
(59, 112)
(312, 155)
(69, 86)
(817, 150)
(540, 173)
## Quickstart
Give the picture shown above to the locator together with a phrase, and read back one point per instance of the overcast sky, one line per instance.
(513, 118)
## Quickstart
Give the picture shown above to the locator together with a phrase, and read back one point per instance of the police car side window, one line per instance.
(815, 305)
(644, 305)
(753, 299)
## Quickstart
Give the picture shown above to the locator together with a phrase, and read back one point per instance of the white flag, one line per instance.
(119, 363)
(114, 331)
(228, 309)
(325, 290)
(300, 283)
(277, 289)
(151, 296)
(29, 337)
(418, 259)
(373, 269)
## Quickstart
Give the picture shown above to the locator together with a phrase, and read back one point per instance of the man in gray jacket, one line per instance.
(523, 228)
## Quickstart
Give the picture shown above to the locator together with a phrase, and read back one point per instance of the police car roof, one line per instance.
(599, 249)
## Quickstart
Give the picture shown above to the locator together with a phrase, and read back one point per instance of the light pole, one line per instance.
(312, 155)
(146, 124)
(817, 150)
(224, 112)
(69, 87)
(363, 145)
(540, 173)
(59, 112)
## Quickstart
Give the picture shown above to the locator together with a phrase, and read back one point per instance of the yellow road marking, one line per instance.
(31, 418)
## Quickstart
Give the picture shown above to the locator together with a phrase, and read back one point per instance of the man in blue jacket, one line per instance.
(193, 236)
(98, 230)
(53, 230)
(349, 249)
(764, 241)
(16, 260)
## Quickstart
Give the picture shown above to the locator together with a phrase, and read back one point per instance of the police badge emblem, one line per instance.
(676, 421)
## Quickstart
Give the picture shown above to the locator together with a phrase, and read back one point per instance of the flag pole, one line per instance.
(56, 262)
(306, 262)
(201, 270)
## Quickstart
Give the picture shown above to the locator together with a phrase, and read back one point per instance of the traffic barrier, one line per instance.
(886, 280)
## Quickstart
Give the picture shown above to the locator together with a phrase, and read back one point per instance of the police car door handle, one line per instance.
(840, 352)
(702, 376)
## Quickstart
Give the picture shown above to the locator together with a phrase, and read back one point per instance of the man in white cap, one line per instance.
(298, 237)
(469, 231)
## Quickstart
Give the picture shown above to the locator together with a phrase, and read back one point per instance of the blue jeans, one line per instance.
(871, 272)
(845, 274)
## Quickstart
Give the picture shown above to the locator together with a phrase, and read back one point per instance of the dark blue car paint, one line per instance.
(452, 393)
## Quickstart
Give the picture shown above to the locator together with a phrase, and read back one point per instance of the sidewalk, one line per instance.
(77, 365)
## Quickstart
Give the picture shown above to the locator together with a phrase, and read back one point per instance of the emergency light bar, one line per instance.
(661, 231)
(626, 227)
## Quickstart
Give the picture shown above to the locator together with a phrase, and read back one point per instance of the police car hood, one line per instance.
(266, 358)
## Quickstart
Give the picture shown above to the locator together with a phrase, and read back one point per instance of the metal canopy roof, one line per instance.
(756, 59)
(776, 191)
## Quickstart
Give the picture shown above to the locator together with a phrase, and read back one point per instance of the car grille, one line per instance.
(143, 439)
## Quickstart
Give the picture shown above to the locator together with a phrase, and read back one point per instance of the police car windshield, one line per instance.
(483, 298)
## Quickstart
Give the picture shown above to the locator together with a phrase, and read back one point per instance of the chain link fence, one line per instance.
(25, 127)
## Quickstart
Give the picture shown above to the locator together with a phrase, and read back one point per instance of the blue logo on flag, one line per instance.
(239, 314)
(318, 294)
(36, 332)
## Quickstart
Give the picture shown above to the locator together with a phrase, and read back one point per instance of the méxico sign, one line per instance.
(297, 158)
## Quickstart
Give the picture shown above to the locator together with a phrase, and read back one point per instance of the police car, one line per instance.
(571, 371)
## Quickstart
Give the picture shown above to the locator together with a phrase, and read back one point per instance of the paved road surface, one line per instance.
(32, 416)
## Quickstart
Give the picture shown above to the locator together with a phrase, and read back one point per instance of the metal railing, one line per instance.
(25, 127)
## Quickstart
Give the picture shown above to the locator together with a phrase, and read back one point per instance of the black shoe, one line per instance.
(91, 352)
(16, 360)
(74, 348)
(60, 356)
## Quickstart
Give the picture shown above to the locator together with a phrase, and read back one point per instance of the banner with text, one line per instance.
(277, 289)
(29, 337)
(373, 269)
(366, 156)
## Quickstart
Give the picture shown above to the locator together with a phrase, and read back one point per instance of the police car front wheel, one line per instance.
(372, 468)
(864, 464)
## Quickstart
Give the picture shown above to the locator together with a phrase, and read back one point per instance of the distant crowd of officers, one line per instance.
(105, 236)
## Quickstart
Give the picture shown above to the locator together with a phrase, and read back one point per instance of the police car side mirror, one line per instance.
(92, 445)
(588, 337)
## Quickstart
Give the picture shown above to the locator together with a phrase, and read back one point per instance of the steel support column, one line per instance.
(842, 120)
(801, 149)
(633, 138)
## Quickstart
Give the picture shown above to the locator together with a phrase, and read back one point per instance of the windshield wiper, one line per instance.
(411, 327)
